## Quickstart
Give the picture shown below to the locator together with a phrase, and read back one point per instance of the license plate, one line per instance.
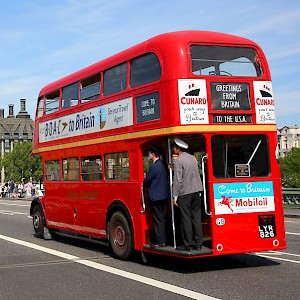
(266, 226)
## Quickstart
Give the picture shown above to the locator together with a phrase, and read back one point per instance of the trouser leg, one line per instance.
(159, 212)
(196, 219)
(184, 203)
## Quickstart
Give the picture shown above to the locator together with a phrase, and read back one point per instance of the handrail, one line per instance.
(204, 185)
(143, 200)
(171, 192)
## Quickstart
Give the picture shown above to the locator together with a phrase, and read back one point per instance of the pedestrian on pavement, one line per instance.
(11, 187)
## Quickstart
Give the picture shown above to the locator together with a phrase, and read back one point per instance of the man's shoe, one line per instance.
(183, 248)
(157, 245)
(180, 248)
(197, 248)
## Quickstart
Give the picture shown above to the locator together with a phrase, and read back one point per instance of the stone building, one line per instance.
(288, 137)
(13, 128)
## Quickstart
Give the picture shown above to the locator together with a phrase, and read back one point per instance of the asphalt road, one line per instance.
(65, 268)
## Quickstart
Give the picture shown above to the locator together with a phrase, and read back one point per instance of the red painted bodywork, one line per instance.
(70, 206)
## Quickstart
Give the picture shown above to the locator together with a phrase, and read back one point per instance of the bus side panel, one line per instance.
(130, 195)
(90, 209)
(52, 203)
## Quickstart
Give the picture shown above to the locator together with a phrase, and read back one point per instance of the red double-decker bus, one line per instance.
(94, 127)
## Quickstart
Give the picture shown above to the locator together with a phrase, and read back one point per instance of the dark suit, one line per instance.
(158, 192)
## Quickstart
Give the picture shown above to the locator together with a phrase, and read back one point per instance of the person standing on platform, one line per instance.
(187, 186)
(158, 191)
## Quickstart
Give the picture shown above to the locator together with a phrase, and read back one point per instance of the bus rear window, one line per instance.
(240, 156)
(224, 61)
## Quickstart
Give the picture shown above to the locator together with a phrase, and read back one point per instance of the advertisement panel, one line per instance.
(108, 116)
(193, 101)
(243, 197)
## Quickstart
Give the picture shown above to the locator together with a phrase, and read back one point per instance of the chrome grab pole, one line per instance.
(204, 185)
(143, 200)
(171, 192)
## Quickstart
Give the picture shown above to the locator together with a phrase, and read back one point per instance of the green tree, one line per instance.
(290, 169)
(20, 164)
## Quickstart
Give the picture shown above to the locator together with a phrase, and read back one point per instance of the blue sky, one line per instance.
(44, 40)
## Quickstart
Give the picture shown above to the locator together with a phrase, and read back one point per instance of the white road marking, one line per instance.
(279, 258)
(152, 282)
(14, 204)
(293, 233)
(279, 253)
(284, 253)
(11, 213)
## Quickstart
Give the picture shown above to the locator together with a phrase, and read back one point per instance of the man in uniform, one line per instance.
(187, 185)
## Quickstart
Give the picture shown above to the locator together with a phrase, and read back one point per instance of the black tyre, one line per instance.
(38, 222)
(120, 236)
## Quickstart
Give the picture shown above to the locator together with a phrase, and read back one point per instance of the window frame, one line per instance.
(81, 88)
(111, 79)
(111, 170)
(214, 61)
(240, 153)
(40, 107)
(139, 69)
(70, 90)
(67, 169)
(58, 173)
(85, 175)
(52, 100)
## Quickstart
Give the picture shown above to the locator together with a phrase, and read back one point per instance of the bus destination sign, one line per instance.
(230, 96)
(147, 107)
(232, 119)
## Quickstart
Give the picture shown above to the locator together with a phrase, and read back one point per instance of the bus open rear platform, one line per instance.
(171, 250)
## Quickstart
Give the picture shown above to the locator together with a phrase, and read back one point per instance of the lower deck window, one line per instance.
(52, 170)
(91, 168)
(70, 169)
(240, 156)
(117, 166)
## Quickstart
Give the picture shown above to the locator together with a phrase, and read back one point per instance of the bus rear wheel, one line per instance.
(38, 222)
(120, 236)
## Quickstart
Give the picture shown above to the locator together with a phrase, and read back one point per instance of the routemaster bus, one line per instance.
(93, 130)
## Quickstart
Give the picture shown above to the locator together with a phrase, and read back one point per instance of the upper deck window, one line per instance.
(90, 88)
(40, 107)
(224, 61)
(115, 79)
(144, 69)
(70, 95)
(52, 102)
